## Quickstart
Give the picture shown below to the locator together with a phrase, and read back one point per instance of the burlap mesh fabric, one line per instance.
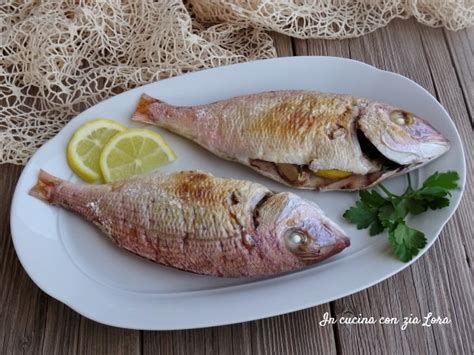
(59, 57)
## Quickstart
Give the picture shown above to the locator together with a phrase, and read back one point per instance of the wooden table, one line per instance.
(440, 282)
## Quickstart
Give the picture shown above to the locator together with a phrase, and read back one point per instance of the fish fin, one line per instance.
(142, 112)
(43, 188)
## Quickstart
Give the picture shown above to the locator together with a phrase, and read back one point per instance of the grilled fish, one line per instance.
(305, 139)
(204, 224)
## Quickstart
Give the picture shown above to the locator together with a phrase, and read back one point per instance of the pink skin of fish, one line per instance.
(295, 136)
(196, 222)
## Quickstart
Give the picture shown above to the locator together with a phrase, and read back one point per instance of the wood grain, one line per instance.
(22, 305)
(441, 281)
(296, 333)
(431, 282)
(461, 47)
(421, 54)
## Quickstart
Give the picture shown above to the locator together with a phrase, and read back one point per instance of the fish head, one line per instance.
(301, 231)
(399, 135)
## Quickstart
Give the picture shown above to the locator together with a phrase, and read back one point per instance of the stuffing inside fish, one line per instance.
(305, 139)
(196, 222)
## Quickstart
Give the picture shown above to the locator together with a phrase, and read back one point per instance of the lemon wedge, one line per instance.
(134, 151)
(332, 174)
(86, 144)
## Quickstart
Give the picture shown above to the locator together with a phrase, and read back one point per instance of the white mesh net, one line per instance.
(333, 19)
(59, 57)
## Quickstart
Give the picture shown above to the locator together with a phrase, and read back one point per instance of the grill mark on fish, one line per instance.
(192, 186)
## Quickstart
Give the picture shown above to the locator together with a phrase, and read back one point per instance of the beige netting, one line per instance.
(333, 19)
(59, 57)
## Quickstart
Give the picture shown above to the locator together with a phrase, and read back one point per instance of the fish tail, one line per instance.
(182, 120)
(142, 112)
(44, 186)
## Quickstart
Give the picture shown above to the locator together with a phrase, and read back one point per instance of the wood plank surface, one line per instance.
(440, 282)
(461, 47)
(420, 54)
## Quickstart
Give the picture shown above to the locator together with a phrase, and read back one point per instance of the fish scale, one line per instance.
(305, 139)
(200, 223)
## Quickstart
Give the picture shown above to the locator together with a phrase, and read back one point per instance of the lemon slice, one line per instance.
(86, 144)
(134, 151)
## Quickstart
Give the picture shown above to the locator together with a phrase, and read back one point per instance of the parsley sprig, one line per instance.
(379, 213)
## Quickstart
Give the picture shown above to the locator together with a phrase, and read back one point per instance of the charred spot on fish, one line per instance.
(193, 185)
(144, 104)
(256, 210)
(195, 176)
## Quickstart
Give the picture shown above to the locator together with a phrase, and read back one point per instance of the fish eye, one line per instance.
(401, 118)
(295, 239)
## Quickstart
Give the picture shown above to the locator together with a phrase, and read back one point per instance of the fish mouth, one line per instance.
(300, 226)
(322, 252)
(328, 241)
(391, 160)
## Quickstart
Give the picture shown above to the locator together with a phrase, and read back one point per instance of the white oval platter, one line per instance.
(71, 261)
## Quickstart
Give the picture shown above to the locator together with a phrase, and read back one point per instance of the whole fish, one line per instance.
(305, 139)
(204, 224)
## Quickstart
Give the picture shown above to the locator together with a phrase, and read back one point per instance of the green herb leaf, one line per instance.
(387, 216)
(376, 227)
(416, 206)
(447, 180)
(379, 213)
(362, 215)
(432, 191)
(401, 208)
(372, 198)
(406, 241)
